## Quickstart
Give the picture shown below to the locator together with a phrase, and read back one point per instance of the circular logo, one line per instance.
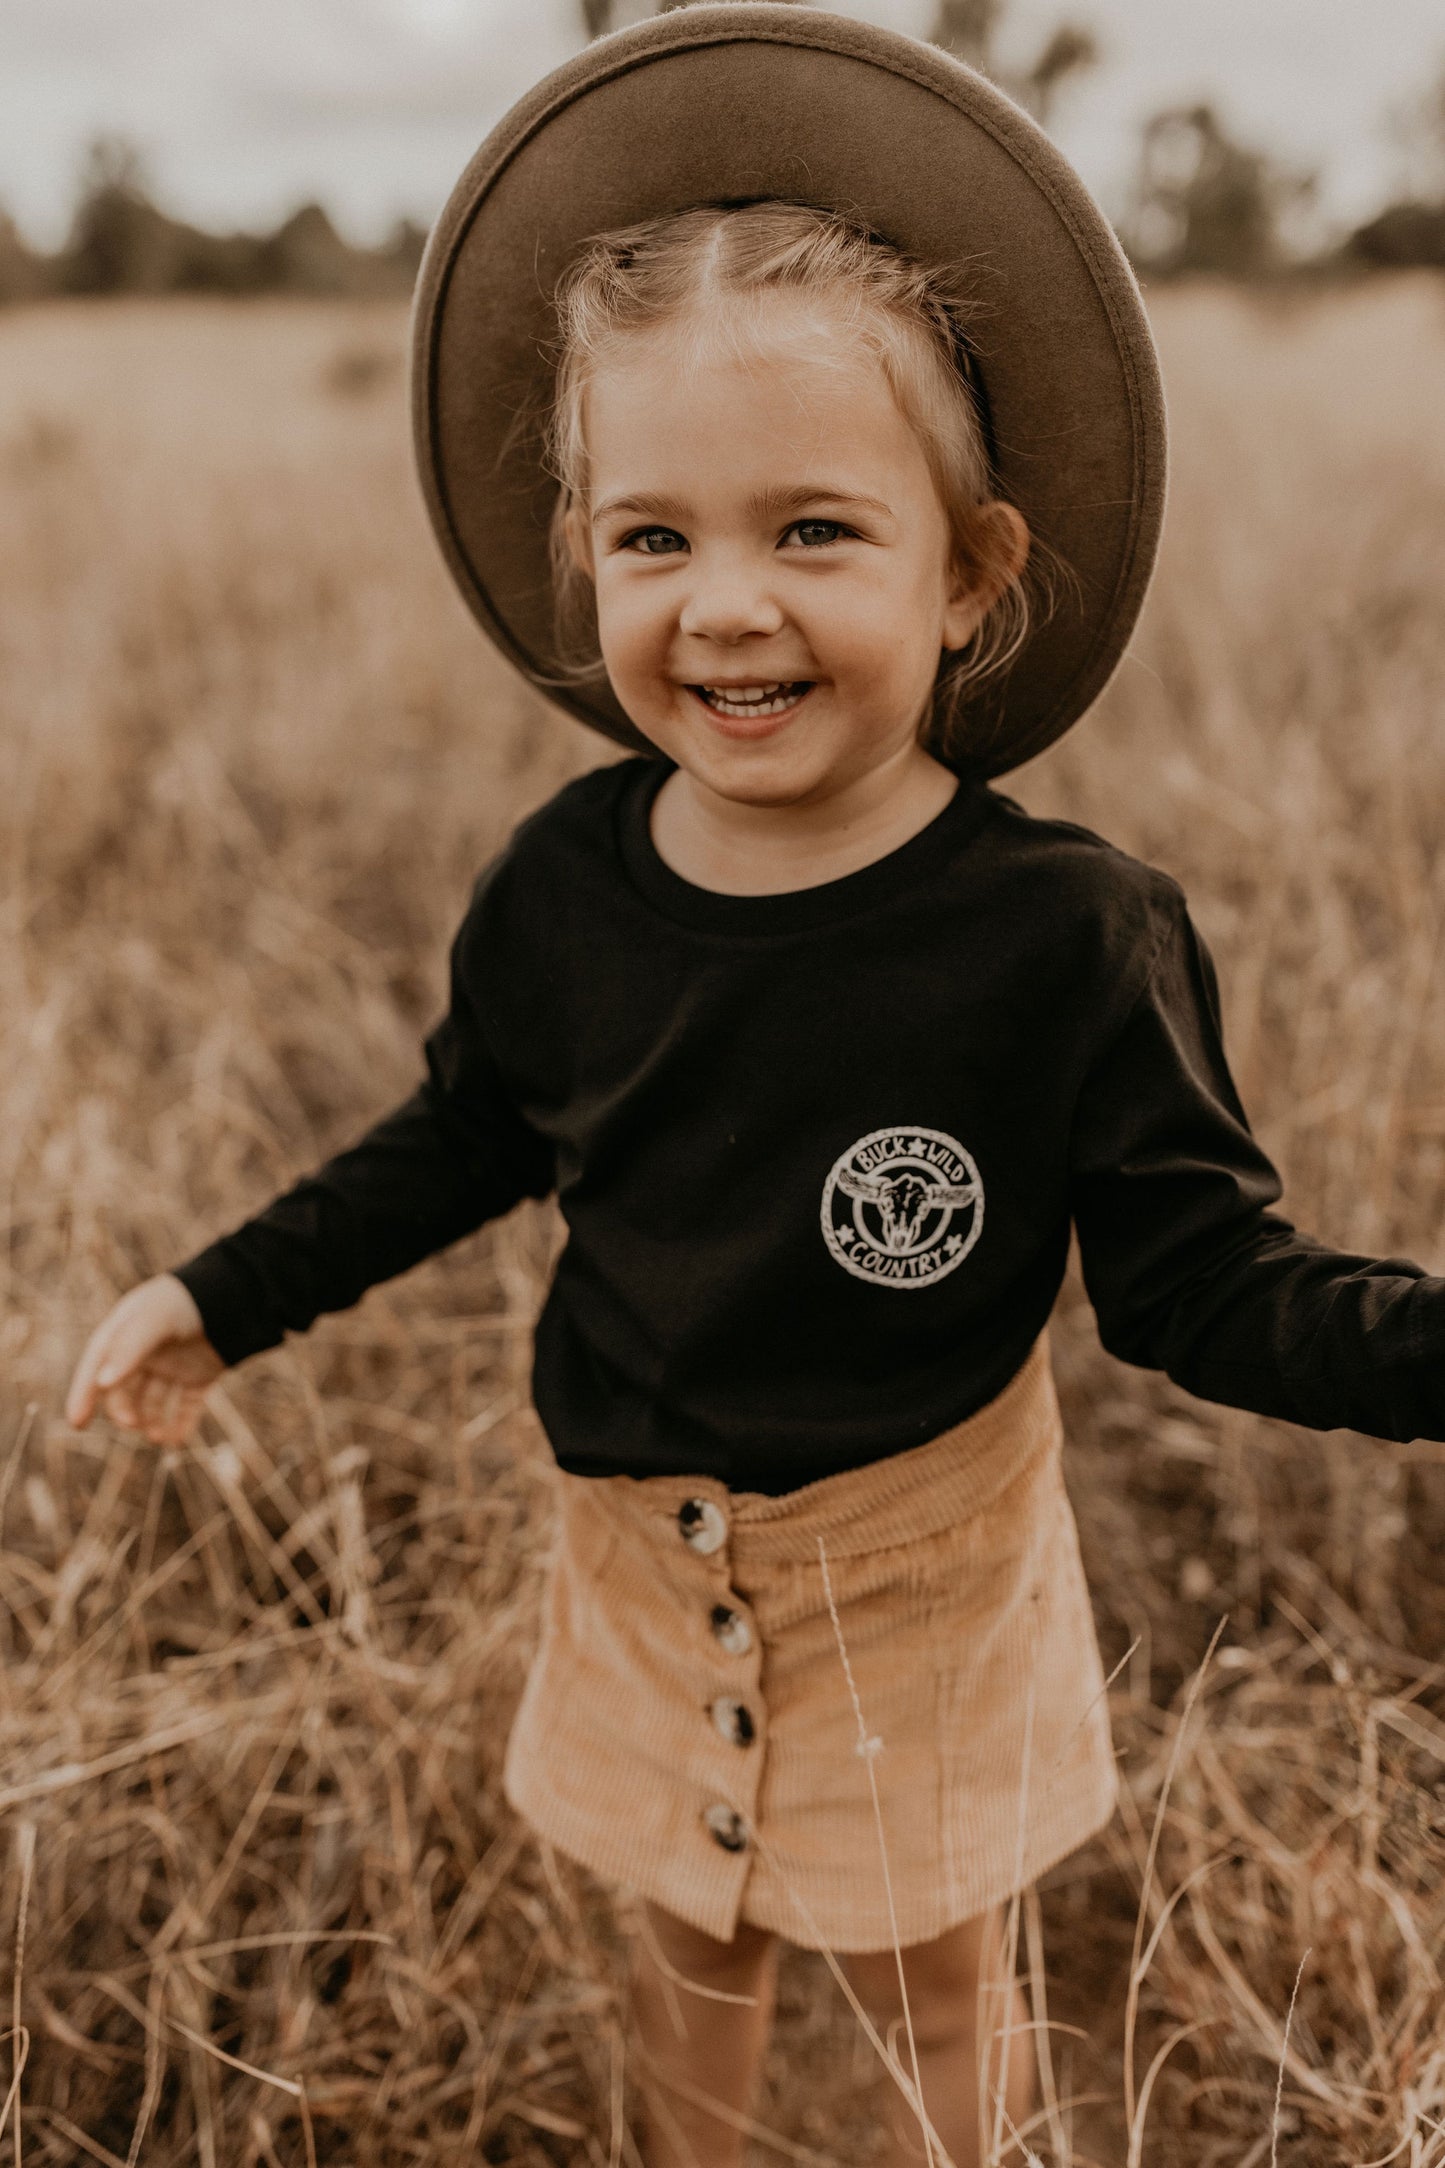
(903, 1207)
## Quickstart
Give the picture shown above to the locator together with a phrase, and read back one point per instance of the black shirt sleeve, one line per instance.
(1188, 1270)
(453, 1155)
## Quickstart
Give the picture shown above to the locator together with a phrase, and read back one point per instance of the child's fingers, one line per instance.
(151, 1400)
(157, 1312)
(169, 1413)
(152, 1395)
(120, 1405)
(168, 1409)
(164, 1409)
(148, 1399)
(81, 1398)
(157, 1407)
(180, 1417)
(135, 1334)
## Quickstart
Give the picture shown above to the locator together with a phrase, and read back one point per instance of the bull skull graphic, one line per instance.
(903, 1199)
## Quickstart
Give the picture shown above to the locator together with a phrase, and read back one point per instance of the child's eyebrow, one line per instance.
(647, 507)
(799, 494)
(793, 498)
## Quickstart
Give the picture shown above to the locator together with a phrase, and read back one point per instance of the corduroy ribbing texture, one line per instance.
(688, 1730)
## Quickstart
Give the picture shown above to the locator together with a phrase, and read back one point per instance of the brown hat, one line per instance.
(740, 103)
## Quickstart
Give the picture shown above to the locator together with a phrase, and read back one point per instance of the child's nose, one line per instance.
(728, 603)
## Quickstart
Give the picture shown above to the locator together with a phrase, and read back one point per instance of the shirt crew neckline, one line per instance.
(790, 910)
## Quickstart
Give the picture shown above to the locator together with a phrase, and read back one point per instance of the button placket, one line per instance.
(703, 1527)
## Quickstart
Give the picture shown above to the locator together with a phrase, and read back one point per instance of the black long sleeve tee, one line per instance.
(818, 1153)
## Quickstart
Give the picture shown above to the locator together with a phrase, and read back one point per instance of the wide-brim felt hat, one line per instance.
(740, 103)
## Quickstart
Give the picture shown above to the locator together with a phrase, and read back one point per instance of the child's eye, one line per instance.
(814, 533)
(654, 542)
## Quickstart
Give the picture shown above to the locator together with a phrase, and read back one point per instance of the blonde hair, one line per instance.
(909, 317)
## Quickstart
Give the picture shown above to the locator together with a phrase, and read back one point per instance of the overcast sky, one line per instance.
(243, 108)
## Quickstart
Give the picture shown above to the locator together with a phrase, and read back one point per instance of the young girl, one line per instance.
(821, 1044)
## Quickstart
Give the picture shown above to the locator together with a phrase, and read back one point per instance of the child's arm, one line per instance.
(1188, 1270)
(453, 1155)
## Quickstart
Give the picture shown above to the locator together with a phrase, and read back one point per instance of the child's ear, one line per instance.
(577, 534)
(1000, 549)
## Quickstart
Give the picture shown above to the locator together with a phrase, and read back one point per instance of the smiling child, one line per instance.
(822, 1045)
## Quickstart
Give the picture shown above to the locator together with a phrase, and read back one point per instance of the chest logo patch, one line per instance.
(903, 1206)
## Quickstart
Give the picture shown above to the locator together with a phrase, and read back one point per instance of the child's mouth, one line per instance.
(758, 703)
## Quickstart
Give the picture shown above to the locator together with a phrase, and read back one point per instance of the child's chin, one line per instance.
(767, 775)
(733, 765)
(784, 766)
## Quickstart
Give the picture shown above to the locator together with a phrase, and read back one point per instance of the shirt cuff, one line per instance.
(233, 1315)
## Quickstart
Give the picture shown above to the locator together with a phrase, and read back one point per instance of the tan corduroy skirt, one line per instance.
(689, 1730)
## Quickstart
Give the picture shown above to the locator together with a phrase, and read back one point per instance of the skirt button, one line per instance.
(731, 1629)
(703, 1528)
(727, 1828)
(734, 1719)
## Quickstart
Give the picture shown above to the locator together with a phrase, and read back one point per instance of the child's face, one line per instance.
(771, 557)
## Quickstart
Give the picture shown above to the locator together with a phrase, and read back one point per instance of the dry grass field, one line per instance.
(263, 1898)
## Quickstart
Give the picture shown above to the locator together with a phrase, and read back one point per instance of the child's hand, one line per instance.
(148, 1363)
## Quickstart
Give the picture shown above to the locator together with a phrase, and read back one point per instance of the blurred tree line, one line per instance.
(122, 242)
(1202, 200)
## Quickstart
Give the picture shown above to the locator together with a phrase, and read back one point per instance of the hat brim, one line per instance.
(746, 102)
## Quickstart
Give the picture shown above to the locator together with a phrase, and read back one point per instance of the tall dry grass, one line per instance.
(267, 1902)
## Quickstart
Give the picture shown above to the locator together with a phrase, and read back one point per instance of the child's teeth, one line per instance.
(751, 699)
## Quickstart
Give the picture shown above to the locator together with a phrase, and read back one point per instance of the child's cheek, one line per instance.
(634, 637)
(870, 647)
(617, 621)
